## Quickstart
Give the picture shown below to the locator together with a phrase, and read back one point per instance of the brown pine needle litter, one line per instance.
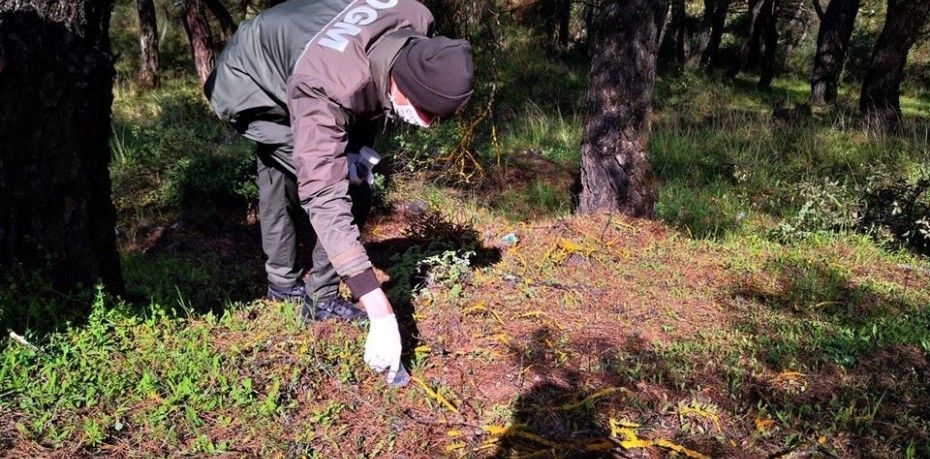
(435, 395)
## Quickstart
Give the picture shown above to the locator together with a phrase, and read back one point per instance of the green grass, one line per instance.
(189, 363)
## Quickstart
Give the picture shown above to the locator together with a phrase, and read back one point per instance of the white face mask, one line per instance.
(408, 113)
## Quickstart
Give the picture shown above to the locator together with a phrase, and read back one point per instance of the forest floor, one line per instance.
(590, 336)
(753, 318)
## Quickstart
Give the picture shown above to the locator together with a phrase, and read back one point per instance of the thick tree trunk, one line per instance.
(200, 38)
(56, 83)
(148, 45)
(879, 102)
(836, 27)
(769, 54)
(718, 22)
(616, 174)
(227, 24)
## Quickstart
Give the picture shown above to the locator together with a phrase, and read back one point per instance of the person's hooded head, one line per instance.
(431, 78)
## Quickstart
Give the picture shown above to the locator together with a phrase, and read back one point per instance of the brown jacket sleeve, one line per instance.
(320, 139)
(331, 78)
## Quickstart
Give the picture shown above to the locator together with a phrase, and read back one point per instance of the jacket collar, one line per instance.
(380, 60)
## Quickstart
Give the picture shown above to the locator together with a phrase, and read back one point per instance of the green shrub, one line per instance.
(899, 209)
(825, 205)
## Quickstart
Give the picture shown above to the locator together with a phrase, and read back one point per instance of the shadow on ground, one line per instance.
(426, 235)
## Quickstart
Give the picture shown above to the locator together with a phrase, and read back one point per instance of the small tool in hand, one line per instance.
(398, 379)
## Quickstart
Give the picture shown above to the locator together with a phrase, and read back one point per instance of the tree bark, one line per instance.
(616, 174)
(148, 45)
(718, 22)
(798, 24)
(769, 54)
(678, 32)
(56, 83)
(749, 51)
(227, 24)
(836, 27)
(879, 102)
(199, 37)
(565, 18)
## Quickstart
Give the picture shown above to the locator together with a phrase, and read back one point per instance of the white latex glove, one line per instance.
(382, 347)
(361, 165)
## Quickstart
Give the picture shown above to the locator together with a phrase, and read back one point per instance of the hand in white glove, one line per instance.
(382, 347)
(361, 165)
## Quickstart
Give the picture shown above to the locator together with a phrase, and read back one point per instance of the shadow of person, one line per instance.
(561, 414)
(427, 235)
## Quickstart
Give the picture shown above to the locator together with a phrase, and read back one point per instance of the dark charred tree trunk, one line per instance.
(769, 48)
(199, 37)
(718, 22)
(836, 27)
(616, 174)
(148, 45)
(879, 102)
(56, 83)
(227, 24)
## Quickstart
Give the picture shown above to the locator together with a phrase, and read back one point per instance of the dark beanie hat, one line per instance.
(435, 74)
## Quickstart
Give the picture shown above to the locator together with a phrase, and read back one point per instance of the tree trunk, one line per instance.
(56, 83)
(148, 45)
(769, 55)
(836, 27)
(718, 22)
(703, 36)
(616, 174)
(565, 18)
(879, 102)
(199, 37)
(749, 51)
(798, 24)
(679, 33)
(227, 24)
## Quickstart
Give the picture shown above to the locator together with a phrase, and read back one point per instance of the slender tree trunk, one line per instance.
(679, 33)
(227, 24)
(565, 18)
(836, 27)
(703, 36)
(148, 45)
(616, 174)
(56, 83)
(718, 22)
(200, 38)
(663, 29)
(798, 24)
(769, 55)
(879, 102)
(750, 49)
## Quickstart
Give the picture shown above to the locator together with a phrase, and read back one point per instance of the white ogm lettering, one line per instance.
(362, 15)
(337, 34)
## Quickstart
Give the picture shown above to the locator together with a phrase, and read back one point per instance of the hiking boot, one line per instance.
(334, 307)
(293, 294)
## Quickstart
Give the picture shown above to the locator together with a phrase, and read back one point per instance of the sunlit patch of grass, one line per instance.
(553, 135)
(131, 376)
